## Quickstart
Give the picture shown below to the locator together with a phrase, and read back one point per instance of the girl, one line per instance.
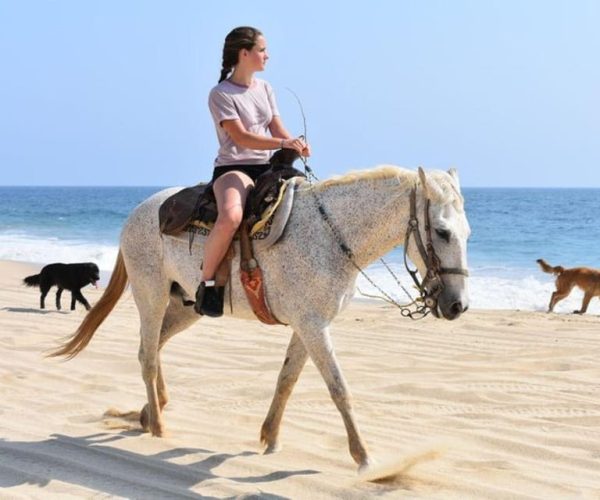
(248, 128)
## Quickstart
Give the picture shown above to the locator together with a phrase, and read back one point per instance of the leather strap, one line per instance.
(252, 279)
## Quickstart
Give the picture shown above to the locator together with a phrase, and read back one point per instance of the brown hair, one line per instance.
(243, 37)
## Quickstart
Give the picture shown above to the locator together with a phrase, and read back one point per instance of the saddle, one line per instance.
(196, 206)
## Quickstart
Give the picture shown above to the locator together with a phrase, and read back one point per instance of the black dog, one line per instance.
(73, 277)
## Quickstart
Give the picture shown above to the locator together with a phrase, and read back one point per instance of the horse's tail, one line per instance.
(33, 280)
(547, 268)
(97, 314)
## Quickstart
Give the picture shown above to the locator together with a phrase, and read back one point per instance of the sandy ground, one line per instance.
(498, 404)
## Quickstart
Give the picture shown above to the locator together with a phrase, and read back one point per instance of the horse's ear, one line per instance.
(454, 174)
(431, 190)
(423, 179)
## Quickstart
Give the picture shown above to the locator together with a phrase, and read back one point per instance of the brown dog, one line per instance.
(584, 277)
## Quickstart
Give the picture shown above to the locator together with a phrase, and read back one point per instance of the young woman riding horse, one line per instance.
(248, 128)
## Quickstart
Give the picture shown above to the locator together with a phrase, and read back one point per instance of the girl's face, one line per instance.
(256, 58)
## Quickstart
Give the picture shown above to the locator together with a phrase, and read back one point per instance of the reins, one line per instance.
(310, 175)
(420, 308)
(346, 250)
(430, 287)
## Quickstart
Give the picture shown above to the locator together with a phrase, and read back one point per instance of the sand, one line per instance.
(498, 404)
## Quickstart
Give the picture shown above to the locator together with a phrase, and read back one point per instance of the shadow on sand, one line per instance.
(32, 310)
(91, 462)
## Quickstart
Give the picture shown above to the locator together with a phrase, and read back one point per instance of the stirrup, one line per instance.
(209, 299)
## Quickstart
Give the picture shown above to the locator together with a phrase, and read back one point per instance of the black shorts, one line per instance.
(252, 171)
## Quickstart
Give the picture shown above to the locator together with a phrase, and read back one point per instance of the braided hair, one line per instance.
(243, 37)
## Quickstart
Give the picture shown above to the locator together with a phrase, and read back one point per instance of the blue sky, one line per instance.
(115, 92)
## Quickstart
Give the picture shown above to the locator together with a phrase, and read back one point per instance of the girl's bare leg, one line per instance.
(231, 191)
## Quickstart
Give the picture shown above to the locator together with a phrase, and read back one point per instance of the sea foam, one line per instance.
(508, 289)
(45, 251)
(489, 287)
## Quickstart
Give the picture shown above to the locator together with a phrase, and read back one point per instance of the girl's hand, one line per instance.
(298, 144)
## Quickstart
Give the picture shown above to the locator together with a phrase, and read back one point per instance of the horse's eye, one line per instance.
(444, 234)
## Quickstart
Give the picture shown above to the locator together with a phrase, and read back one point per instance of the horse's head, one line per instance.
(438, 243)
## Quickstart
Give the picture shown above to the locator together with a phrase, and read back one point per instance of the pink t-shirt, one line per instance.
(254, 106)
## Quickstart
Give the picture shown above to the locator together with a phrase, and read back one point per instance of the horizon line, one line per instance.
(169, 186)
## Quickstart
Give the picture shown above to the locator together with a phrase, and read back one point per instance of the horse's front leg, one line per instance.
(319, 347)
(295, 359)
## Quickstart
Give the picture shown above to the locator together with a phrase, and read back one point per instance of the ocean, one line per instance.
(511, 228)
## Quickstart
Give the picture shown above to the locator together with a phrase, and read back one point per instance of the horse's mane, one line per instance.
(403, 176)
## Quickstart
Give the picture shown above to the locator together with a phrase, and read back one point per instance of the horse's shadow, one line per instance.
(32, 310)
(91, 462)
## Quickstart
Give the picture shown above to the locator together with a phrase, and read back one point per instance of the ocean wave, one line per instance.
(490, 287)
(45, 251)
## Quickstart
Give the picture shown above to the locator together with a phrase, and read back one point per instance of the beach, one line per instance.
(497, 404)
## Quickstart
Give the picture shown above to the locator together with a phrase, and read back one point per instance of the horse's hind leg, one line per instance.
(177, 318)
(319, 347)
(152, 310)
(162, 396)
(295, 359)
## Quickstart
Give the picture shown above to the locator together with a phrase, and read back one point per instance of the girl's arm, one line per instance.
(248, 140)
(278, 129)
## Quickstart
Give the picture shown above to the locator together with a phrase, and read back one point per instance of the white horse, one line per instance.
(309, 276)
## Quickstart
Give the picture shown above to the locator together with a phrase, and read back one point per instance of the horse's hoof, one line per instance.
(366, 465)
(144, 419)
(269, 439)
(155, 429)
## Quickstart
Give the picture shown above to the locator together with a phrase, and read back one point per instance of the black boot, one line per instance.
(209, 299)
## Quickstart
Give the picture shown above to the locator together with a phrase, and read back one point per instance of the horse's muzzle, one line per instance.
(455, 310)
(450, 311)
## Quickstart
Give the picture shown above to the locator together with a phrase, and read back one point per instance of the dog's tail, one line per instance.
(33, 280)
(547, 268)
(97, 314)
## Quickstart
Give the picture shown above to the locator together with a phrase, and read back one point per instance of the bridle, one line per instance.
(433, 284)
